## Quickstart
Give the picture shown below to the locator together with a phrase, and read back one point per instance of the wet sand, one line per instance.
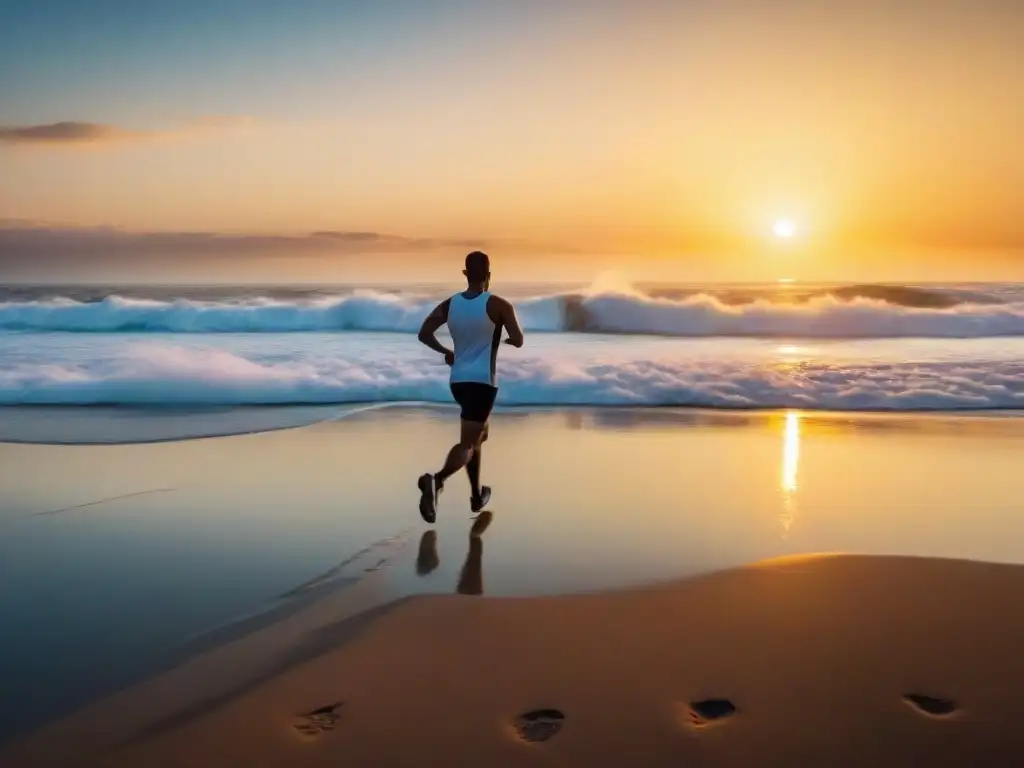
(253, 558)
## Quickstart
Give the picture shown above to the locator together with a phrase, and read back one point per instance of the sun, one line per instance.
(784, 229)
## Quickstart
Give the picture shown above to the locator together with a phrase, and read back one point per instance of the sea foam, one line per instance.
(163, 374)
(850, 312)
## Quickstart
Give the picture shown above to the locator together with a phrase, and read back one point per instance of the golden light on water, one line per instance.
(790, 468)
(791, 452)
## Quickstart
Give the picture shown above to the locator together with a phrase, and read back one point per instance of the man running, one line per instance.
(475, 320)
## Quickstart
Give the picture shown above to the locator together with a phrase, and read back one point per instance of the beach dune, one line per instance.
(817, 660)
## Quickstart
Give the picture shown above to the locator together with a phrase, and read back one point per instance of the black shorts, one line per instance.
(476, 400)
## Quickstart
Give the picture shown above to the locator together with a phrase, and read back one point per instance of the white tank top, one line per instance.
(475, 337)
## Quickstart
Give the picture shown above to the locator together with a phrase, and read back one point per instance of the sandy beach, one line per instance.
(807, 661)
(656, 587)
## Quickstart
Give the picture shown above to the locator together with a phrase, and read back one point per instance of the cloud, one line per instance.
(359, 238)
(41, 249)
(65, 132)
(77, 133)
(30, 237)
(347, 237)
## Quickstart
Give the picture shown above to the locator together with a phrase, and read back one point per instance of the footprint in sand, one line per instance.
(930, 705)
(319, 721)
(539, 724)
(709, 711)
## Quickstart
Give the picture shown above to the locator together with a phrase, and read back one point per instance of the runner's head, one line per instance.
(478, 270)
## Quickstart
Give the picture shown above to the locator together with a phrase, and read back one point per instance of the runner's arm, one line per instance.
(511, 323)
(437, 318)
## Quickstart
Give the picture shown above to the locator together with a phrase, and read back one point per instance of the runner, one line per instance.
(475, 319)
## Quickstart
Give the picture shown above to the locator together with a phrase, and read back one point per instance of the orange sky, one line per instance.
(673, 132)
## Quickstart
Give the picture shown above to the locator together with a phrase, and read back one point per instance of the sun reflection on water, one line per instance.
(790, 467)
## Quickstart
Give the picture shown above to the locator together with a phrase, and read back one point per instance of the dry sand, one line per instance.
(816, 655)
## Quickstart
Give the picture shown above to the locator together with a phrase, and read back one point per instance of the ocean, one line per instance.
(838, 347)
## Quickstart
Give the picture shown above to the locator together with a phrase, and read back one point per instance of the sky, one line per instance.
(342, 139)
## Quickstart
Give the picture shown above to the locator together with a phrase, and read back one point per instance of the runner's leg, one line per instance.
(462, 452)
(473, 465)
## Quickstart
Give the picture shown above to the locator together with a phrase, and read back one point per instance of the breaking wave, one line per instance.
(868, 311)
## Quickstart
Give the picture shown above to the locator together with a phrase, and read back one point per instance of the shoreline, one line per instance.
(342, 411)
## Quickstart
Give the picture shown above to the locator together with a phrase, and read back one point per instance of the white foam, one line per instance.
(165, 374)
(601, 309)
(821, 317)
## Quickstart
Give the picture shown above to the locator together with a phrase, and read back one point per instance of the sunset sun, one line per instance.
(784, 229)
